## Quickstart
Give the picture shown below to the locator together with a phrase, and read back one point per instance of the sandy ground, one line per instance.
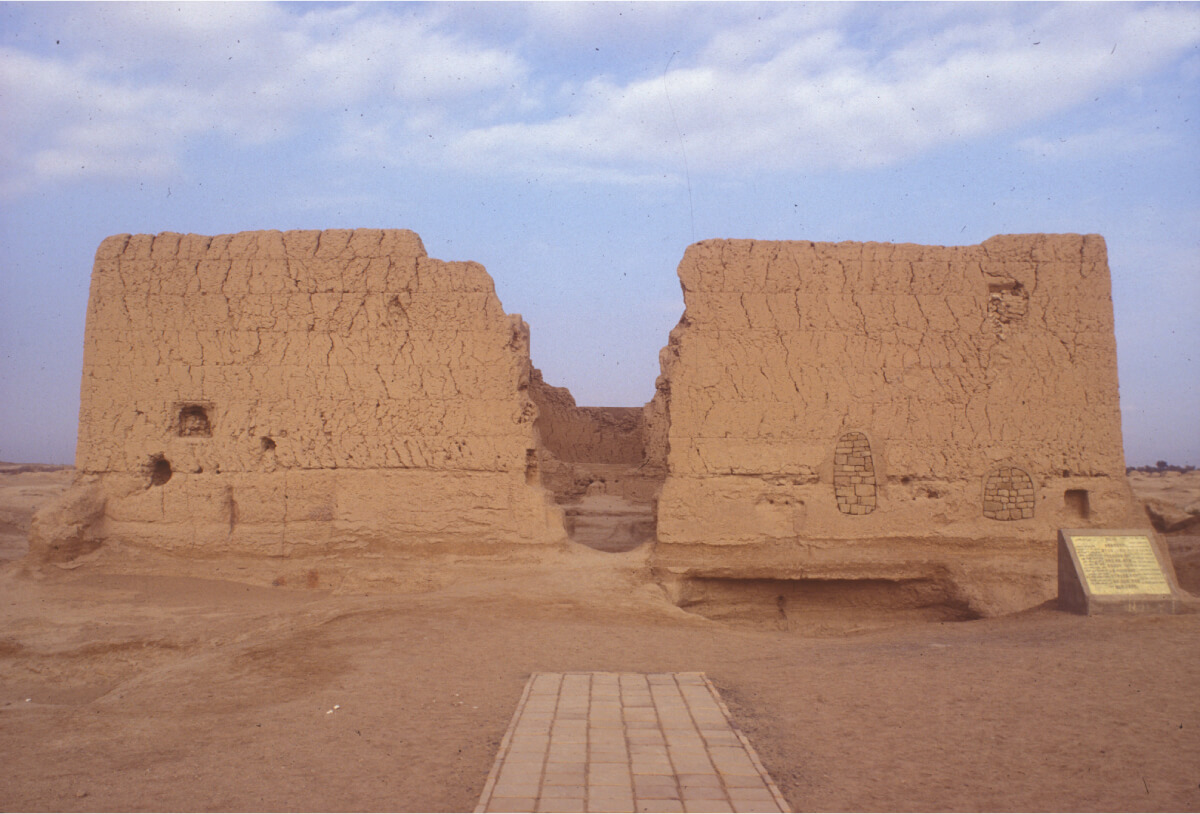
(1181, 489)
(124, 688)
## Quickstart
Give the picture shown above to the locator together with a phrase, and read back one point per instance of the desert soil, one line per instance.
(129, 681)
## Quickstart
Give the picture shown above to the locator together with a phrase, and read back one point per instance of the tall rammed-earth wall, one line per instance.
(921, 415)
(282, 391)
(836, 407)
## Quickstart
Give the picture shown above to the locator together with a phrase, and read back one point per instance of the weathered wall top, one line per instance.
(956, 358)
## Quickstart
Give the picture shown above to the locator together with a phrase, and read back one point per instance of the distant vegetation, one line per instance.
(1160, 466)
(7, 468)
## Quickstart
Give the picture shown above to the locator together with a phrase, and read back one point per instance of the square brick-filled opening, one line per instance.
(1008, 494)
(193, 421)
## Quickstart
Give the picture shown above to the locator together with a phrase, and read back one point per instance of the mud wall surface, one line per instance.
(610, 435)
(857, 409)
(271, 391)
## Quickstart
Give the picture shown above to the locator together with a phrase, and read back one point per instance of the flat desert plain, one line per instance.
(133, 682)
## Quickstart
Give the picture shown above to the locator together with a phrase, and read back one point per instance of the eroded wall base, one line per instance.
(306, 513)
(733, 510)
(981, 580)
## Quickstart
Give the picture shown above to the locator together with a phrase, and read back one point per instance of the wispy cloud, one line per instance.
(1087, 146)
(135, 81)
(780, 93)
(791, 88)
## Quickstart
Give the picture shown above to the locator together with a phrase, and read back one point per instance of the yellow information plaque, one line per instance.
(1120, 565)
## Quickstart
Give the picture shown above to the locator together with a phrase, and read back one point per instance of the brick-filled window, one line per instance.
(854, 474)
(1008, 494)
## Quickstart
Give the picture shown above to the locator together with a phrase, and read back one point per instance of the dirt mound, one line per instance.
(7, 468)
(25, 488)
(1185, 554)
(1171, 500)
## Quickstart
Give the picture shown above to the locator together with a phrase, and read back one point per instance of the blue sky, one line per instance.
(577, 149)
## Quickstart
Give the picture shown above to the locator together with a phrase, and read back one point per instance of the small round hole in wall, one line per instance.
(160, 470)
(268, 443)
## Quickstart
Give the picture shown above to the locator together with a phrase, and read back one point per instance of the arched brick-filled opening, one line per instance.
(854, 474)
(1008, 494)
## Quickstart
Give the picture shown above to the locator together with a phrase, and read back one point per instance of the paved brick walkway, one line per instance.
(625, 742)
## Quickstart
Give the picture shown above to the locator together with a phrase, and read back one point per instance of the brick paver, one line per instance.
(625, 742)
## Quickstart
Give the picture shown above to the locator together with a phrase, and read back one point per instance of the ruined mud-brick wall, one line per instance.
(855, 408)
(278, 392)
(592, 434)
(596, 447)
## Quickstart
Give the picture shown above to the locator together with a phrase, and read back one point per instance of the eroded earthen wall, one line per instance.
(592, 450)
(611, 435)
(825, 411)
(279, 391)
(860, 408)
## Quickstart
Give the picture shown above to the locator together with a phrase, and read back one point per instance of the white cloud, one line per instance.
(57, 163)
(775, 87)
(788, 92)
(142, 78)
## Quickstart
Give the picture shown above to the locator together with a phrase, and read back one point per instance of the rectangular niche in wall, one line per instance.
(1007, 302)
(1076, 501)
(192, 420)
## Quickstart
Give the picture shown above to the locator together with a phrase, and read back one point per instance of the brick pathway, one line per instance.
(625, 742)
